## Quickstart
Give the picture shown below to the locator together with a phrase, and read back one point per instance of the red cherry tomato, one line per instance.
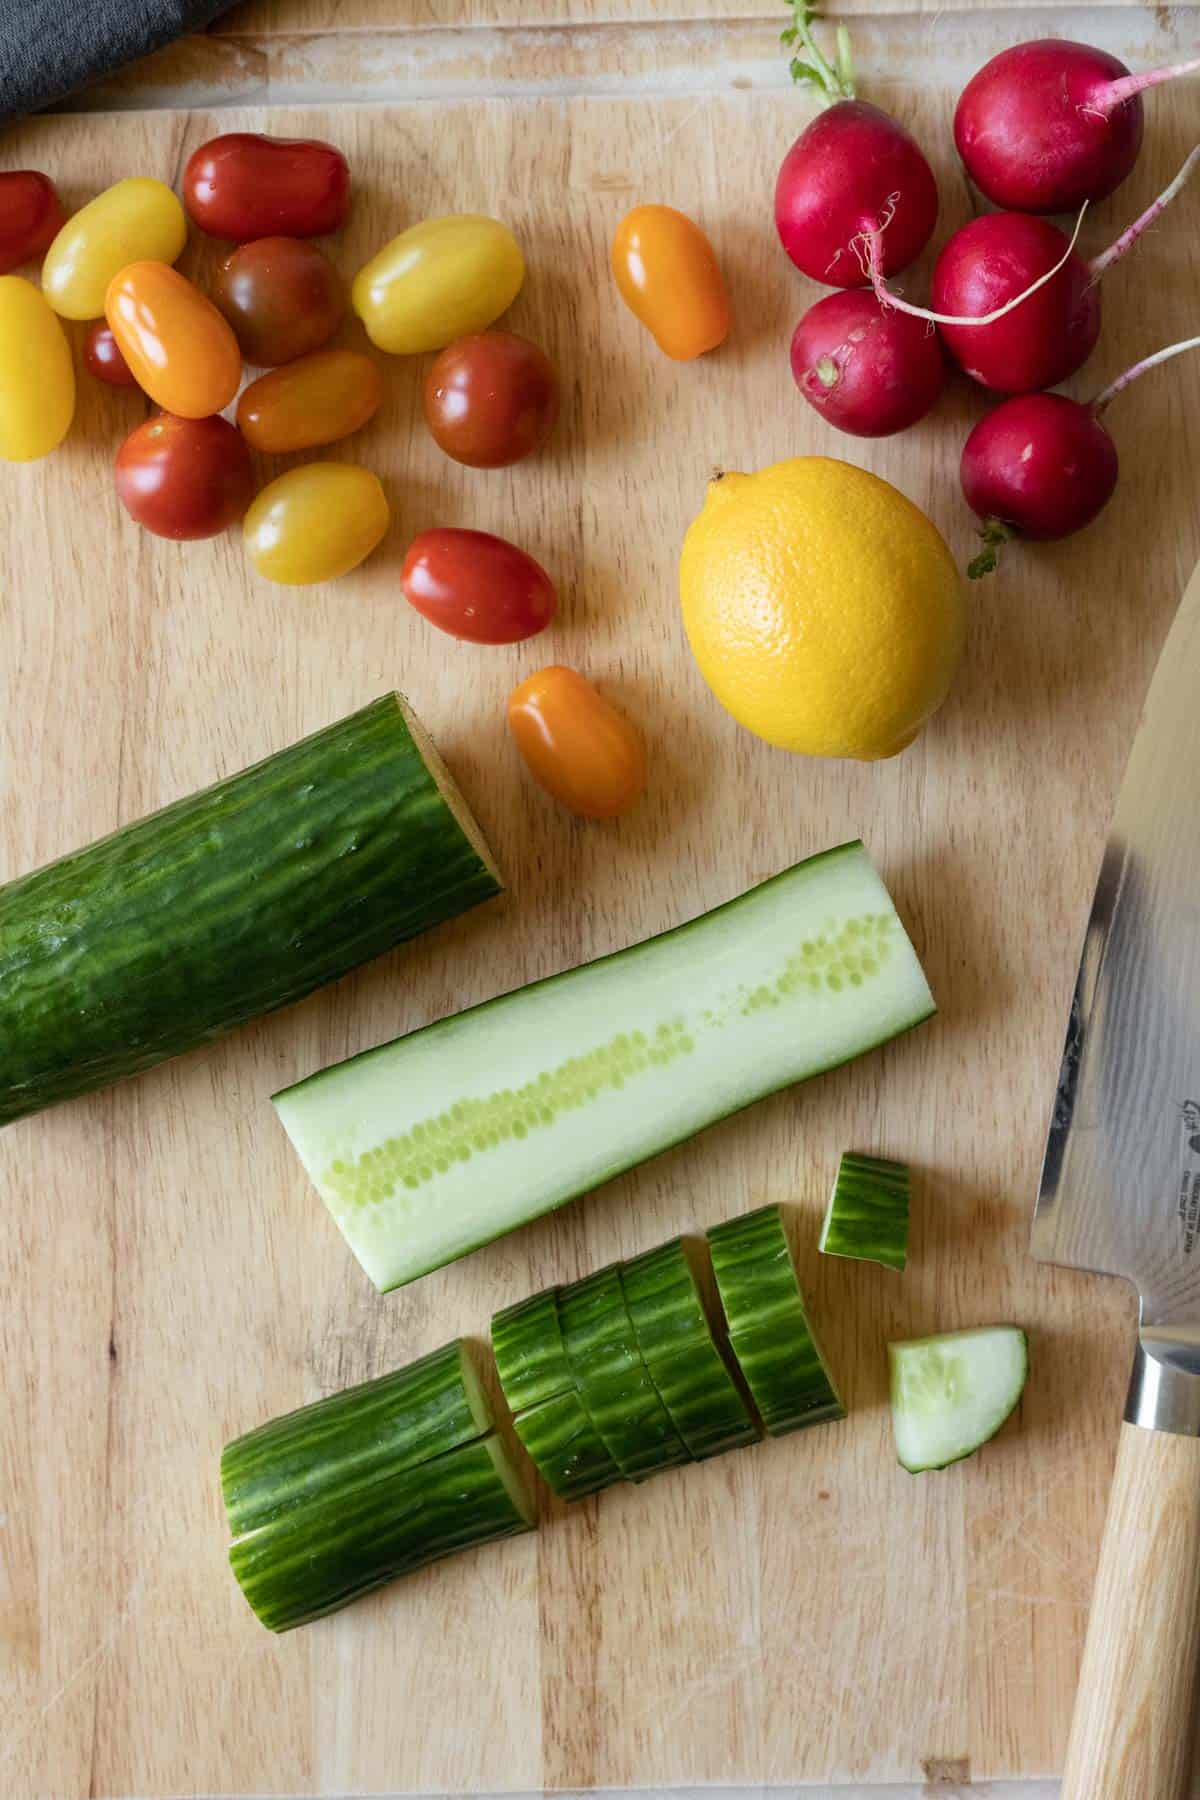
(185, 478)
(31, 216)
(103, 359)
(490, 399)
(283, 298)
(244, 186)
(477, 586)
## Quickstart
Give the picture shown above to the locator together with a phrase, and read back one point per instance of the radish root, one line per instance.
(866, 248)
(1128, 85)
(1100, 264)
(1108, 395)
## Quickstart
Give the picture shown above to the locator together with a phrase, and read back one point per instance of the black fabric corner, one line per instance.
(52, 48)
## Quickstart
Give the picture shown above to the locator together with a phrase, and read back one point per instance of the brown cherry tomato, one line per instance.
(669, 278)
(575, 745)
(477, 586)
(103, 359)
(177, 345)
(491, 399)
(244, 185)
(283, 298)
(185, 478)
(316, 400)
(31, 215)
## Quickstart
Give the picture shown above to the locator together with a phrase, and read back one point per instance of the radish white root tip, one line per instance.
(1109, 394)
(1100, 265)
(887, 298)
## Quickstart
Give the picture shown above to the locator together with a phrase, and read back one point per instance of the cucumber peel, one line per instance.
(867, 1216)
(531, 1358)
(612, 1379)
(952, 1393)
(570, 1455)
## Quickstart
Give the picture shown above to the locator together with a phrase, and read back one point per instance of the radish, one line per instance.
(866, 368)
(1019, 308)
(1049, 124)
(850, 173)
(1043, 466)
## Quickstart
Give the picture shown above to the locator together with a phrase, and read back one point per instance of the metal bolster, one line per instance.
(1164, 1390)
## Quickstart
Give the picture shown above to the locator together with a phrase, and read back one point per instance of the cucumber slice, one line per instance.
(378, 1428)
(568, 1450)
(868, 1211)
(229, 904)
(353, 1539)
(613, 1380)
(768, 1326)
(679, 1350)
(531, 1357)
(421, 1155)
(953, 1392)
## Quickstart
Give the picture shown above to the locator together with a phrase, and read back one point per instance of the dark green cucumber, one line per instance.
(229, 904)
(868, 1211)
(379, 1428)
(681, 1354)
(768, 1326)
(570, 1454)
(612, 1378)
(531, 1357)
(357, 1536)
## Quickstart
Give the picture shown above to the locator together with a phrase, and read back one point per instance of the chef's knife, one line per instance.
(1120, 1194)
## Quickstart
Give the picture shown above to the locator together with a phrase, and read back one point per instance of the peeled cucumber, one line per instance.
(953, 1392)
(868, 1211)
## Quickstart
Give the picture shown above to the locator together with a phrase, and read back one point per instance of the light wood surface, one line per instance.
(1130, 1736)
(803, 1611)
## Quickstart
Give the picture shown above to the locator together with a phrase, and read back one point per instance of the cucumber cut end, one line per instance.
(867, 1216)
(513, 1481)
(951, 1393)
(479, 1404)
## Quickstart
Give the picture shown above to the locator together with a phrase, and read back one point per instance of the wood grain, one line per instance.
(797, 1612)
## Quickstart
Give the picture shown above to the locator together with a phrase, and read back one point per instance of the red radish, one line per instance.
(866, 368)
(1043, 466)
(850, 174)
(1019, 308)
(1047, 125)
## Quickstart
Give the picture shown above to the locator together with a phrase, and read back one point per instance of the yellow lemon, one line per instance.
(823, 607)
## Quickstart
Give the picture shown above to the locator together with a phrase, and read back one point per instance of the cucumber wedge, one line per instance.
(681, 1355)
(951, 1393)
(229, 904)
(768, 1326)
(868, 1211)
(531, 1358)
(378, 1428)
(422, 1155)
(613, 1381)
(569, 1452)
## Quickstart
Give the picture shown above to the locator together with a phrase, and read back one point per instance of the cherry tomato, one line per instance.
(244, 186)
(137, 220)
(177, 345)
(37, 376)
(436, 281)
(31, 215)
(477, 586)
(316, 400)
(185, 478)
(668, 277)
(491, 399)
(316, 523)
(103, 359)
(283, 298)
(575, 745)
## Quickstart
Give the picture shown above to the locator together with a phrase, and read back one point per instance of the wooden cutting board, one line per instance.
(801, 1611)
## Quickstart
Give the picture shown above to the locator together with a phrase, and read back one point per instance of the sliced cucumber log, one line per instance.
(768, 1326)
(378, 1428)
(868, 1211)
(569, 1452)
(531, 1358)
(229, 904)
(355, 1537)
(613, 1381)
(953, 1392)
(422, 1155)
(681, 1355)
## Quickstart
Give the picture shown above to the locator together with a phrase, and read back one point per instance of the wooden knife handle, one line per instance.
(1132, 1730)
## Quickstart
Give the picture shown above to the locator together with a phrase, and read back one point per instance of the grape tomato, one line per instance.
(437, 281)
(576, 745)
(37, 376)
(316, 523)
(668, 276)
(283, 298)
(491, 399)
(102, 357)
(185, 478)
(31, 216)
(178, 347)
(476, 586)
(316, 400)
(139, 220)
(245, 185)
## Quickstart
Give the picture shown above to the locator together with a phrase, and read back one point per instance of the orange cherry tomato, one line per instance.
(179, 348)
(669, 278)
(575, 745)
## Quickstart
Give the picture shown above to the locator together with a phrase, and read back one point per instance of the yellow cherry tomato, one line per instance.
(138, 220)
(669, 278)
(315, 523)
(37, 378)
(437, 281)
(315, 400)
(575, 745)
(179, 348)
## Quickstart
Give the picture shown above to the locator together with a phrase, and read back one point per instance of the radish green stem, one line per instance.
(1119, 91)
(1118, 386)
(994, 534)
(886, 298)
(813, 66)
(1100, 264)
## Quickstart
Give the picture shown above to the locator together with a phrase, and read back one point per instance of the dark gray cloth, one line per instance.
(51, 48)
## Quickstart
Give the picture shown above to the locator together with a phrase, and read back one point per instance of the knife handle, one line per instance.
(1132, 1729)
